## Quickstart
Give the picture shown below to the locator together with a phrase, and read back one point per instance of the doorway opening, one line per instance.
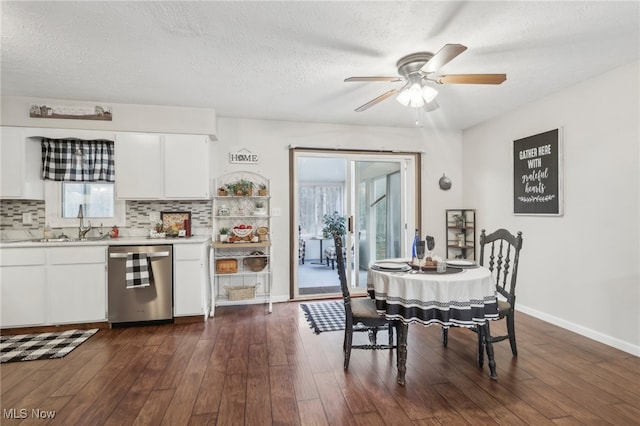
(376, 195)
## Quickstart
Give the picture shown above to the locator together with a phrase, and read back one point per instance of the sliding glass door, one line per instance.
(376, 194)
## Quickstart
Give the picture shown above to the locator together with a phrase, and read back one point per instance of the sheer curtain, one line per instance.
(75, 160)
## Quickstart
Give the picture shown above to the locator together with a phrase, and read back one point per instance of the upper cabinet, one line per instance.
(173, 167)
(20, 167)
(186, 167)
(139, 166)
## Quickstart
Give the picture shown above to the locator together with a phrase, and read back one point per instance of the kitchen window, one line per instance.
(80, 173)
(96, 199)
(99, 204)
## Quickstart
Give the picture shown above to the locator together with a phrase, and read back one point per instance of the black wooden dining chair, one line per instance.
(360, 313)
(500, 252)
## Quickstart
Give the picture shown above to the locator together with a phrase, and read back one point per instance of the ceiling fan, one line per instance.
(418, 70)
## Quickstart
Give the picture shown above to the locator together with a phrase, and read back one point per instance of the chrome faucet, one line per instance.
(82, 230)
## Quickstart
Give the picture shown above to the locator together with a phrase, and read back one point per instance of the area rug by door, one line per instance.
(29, 347)
(324, 316)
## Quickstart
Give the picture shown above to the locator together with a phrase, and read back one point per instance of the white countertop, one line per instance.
(120, 241)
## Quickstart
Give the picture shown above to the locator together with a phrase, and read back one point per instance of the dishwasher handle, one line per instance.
(149, 254)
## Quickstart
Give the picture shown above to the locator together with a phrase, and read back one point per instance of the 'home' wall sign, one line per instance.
(243, 157)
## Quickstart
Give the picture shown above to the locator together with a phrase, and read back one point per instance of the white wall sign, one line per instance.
(243, 157)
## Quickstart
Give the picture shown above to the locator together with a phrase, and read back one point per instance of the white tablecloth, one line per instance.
(463, 299)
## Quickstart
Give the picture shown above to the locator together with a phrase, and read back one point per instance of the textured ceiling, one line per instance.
(288, 60)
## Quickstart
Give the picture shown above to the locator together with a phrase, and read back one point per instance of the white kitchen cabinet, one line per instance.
(190, 284)
(20, 166)
(139, 166)
(76, 285)
(22, 287)
(171, 167)
(186, 172)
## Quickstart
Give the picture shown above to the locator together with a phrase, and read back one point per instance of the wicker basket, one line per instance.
(256, 264)
(226, 266)
(241, 293)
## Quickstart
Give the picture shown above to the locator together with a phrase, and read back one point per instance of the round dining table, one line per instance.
(460, 296)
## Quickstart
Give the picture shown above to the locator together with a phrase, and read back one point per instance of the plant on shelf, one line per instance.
(262, 190)
(224, 232)
(333, 224)
(231, 188)
(240, 188)
(260, 209)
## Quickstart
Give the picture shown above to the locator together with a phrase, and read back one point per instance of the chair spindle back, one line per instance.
(503, 257)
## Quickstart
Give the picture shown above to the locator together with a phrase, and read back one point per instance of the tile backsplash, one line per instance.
(11, 215)
(137, 214)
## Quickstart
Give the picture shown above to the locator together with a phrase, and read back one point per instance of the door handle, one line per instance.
(350, 224)
(152, 254)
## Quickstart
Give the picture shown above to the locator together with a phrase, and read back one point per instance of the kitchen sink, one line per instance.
(63, 239)
(70, 240)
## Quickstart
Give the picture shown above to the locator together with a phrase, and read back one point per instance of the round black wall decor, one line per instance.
(445, 183)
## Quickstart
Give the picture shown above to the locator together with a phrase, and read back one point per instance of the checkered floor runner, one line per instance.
(324, 316)
(29, 347)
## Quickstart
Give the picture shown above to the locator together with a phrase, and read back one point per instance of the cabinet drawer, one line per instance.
(22, 257)
(187, 251)
(76, 255)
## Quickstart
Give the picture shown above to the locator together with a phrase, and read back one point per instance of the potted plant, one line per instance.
(262, 190)
(260, 209)
(244, 187)
(224, 232)
(231, 188)
(333, 224)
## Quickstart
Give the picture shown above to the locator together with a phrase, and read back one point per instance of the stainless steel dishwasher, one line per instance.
(140, 304)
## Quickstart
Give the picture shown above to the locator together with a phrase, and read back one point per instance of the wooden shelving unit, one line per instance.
(461, 233)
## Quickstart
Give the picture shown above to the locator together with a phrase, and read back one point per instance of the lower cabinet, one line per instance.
(76, 287)
(23, 281)
(190, 279)
(67, 285)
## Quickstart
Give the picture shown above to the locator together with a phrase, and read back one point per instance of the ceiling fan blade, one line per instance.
(376, 100)
(431, 106)
(470, 79)
(373, 79)
(444, 55)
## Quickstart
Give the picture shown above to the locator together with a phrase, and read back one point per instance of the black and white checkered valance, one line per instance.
(75, 160)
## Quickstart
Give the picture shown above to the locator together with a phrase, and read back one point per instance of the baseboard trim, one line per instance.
(583, 331)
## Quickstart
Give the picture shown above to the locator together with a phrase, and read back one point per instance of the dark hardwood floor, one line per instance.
(247, 367)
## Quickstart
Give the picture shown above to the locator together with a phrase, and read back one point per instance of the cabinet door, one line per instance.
(10, 154)
(76, 286)
(187, 287)
(22, 290)
(76, 293)
(139, 166)
(186, 167)
(20, 166)
(188, 280)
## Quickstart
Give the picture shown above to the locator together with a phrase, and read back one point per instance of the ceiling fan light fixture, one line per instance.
(416, 94)
(429, 93)
(404, 97)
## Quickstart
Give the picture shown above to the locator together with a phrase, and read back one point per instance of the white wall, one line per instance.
(582, 270)
(271, 141)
